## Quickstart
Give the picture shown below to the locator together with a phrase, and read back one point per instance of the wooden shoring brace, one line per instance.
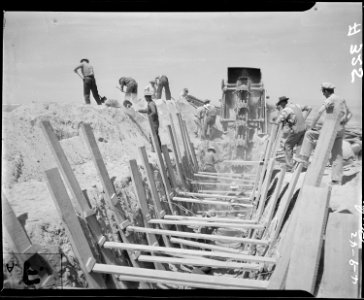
(223, 178)
(21, 245)
(206, 224)
(196, 253)
(170, 171)
(213, 202)
(77, 236)
(286, 200)
(310, 191)
(201, 262)
(177, 278)
(204, 246)
(81, 203)
(187, 194)
(244, 162)
(234, 175)
(190, 146)
(159, 211)
(140, 193)
(175, 136)
(177, 159)
(161, 165)
(185, 144)
(211, 219)
(232, 185)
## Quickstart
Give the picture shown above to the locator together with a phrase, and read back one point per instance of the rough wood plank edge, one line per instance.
(180, 171)
(198, 253)
(211, 195)
(199, 262)
(170, 171)
(210, 219)
(185, 279)
(305, 257)
(213, 202)
(77, 236)
(198, 235)
(206, 224)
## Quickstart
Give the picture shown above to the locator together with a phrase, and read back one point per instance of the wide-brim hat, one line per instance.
(282, 99)
(327, 86)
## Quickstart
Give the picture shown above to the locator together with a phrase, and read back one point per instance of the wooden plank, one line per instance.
(276, 194)
(82, 204)
(64, 167)
(197, 235)
(340, 257)
(323, 148)
(204, 245)
(243, 162)
(177, 159)
(212, 219)
(286, 200)
(80, 244)
(161, 165)
(198, 262)
(185, 279)
(213, 202)
(15, 232)
(211, 196)
(141, 197)
(232, 184)
(174, 134)
(304, 259)
(190, 145)
(206, 224)
(98, 162)
(184, 140)
(229, 175)
(263, 195)
(199, 253)
(222, 178)
(167, 159)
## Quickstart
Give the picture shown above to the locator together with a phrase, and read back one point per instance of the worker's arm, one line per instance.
(143, 111)
(317, 117)
(76, 71)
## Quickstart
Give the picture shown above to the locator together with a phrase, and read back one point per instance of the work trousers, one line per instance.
(293, 139)
(89, 84)
(209, 122)
(163, 83)
(336, 159)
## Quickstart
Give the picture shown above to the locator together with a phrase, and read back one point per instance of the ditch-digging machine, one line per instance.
(243, 108)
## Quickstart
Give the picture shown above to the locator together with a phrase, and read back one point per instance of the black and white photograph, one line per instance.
(179, 151)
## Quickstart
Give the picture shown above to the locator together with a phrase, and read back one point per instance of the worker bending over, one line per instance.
(162, 83)
(210, 119)
(292, 116)
(131, 88)
(331, 103)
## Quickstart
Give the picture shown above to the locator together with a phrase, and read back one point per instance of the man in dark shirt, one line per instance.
(152, 112)
(162, 83)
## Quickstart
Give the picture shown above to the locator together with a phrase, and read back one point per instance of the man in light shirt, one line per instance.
(291, 115)
(89, 81)
(331, 102)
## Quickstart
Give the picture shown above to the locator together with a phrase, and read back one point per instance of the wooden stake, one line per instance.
(185, 279)
(140, 193)
(78, 238)
(197, 235)
(263, 195)
(196, 253)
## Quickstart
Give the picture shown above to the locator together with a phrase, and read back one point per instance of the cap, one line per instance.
(84, 59)
(327, 85)
(282, 99)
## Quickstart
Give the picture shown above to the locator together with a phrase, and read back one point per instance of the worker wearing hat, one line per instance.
(332, 102)
(152, 112)
(151, 87)
(210, 119)
(291, 115)
(131, 88)
(200, 115)
(89, 81)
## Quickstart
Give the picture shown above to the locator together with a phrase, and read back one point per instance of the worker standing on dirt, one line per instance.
(152, 112)
(151, 87)
(332, 102)
(200, 118)
(89, 81)
(210, 119)
(131, 88)
(292, 116)
(162, 82)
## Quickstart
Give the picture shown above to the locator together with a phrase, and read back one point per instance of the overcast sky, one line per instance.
(296, 51)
